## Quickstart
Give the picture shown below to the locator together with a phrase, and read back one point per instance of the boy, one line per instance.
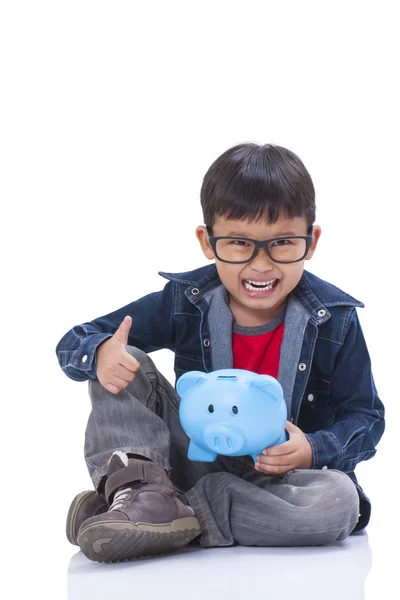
(256, 308)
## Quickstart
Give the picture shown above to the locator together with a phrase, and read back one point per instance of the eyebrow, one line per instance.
(279, 234)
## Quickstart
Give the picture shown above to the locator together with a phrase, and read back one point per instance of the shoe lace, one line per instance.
(118, 497)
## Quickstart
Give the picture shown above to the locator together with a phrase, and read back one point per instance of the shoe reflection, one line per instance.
(329, 572)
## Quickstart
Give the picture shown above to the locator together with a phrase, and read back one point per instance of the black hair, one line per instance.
(250, 181)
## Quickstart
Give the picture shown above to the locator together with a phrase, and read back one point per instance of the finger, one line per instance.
(276, 460)
(285, 448)
(118, 381)
(122, 372)
(113, 389)
(129, 362)
(274, 470)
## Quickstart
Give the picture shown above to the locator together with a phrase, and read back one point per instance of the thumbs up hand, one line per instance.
(115, 366)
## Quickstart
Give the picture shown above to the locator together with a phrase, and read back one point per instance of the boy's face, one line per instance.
(249, 307)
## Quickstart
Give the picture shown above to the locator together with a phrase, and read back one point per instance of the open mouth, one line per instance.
(259, 286)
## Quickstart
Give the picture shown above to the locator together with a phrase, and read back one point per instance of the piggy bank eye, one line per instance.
(235, 410)
(211, 408)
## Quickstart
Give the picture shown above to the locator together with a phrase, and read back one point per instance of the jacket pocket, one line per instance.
(187, 362)
(316, 411)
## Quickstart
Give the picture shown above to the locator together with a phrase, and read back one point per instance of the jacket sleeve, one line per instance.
(359, 413)
(152, 329)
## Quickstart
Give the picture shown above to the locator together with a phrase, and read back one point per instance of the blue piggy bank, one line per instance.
(232, 412)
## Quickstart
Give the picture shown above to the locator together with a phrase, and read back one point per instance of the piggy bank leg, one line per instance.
(254, 456)
(196, 452)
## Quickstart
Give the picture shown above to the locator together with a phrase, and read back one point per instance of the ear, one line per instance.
(316, 235)
(201, 234)
(188, 379)
(268, 384)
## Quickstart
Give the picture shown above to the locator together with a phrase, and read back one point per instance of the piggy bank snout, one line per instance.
(223, 439)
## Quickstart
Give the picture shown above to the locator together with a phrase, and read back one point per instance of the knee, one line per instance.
(343, 484)
(341, 496)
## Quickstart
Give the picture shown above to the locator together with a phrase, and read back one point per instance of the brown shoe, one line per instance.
(84, 505)
(145, 517)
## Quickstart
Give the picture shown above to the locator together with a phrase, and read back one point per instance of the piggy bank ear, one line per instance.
(188, 379)
(270, 384)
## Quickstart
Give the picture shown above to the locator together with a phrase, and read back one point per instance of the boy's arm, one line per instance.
(359, 413)
(152, 329)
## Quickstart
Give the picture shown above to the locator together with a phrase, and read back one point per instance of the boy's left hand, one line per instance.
(296, 453)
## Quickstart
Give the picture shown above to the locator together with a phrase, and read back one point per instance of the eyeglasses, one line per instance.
(289, 249)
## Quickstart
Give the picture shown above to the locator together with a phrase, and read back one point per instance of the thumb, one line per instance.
(290, 427)
(122, 332)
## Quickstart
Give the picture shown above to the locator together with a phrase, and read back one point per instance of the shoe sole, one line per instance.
(121, 540)
(73, 510)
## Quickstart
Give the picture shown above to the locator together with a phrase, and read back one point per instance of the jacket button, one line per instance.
(84, 358)
(195, 291)
(321, 313)
(302, 366)
(206, 342)
(310, 397)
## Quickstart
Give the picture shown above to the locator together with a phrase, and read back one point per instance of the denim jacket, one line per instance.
(325, 368)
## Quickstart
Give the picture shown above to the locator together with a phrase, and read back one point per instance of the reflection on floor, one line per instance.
(328, 572)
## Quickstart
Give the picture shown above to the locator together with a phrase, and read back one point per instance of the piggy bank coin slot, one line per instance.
(232, 377)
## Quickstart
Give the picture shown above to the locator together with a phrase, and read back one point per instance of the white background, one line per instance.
(111, 113)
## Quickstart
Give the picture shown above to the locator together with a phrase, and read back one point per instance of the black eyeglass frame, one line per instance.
(260, 244)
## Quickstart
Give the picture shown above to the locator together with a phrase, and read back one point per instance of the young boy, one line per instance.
(256, 308)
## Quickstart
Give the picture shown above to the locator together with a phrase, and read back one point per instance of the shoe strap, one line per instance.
(123, 476)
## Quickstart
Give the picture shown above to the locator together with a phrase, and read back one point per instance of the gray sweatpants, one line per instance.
(233, 502)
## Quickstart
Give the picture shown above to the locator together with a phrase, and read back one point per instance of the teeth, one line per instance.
(260, 282)
(267, 285)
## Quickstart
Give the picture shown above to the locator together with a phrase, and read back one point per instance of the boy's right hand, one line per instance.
(115, 366)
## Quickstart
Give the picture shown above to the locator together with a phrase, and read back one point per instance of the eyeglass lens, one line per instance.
(285, 250)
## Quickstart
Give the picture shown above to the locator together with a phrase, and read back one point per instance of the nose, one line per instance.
(262, 260)
(223, 439)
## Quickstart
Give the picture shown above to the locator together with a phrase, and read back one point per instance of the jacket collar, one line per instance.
(315, 294)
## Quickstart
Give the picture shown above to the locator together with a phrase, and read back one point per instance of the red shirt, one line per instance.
(259, 351)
